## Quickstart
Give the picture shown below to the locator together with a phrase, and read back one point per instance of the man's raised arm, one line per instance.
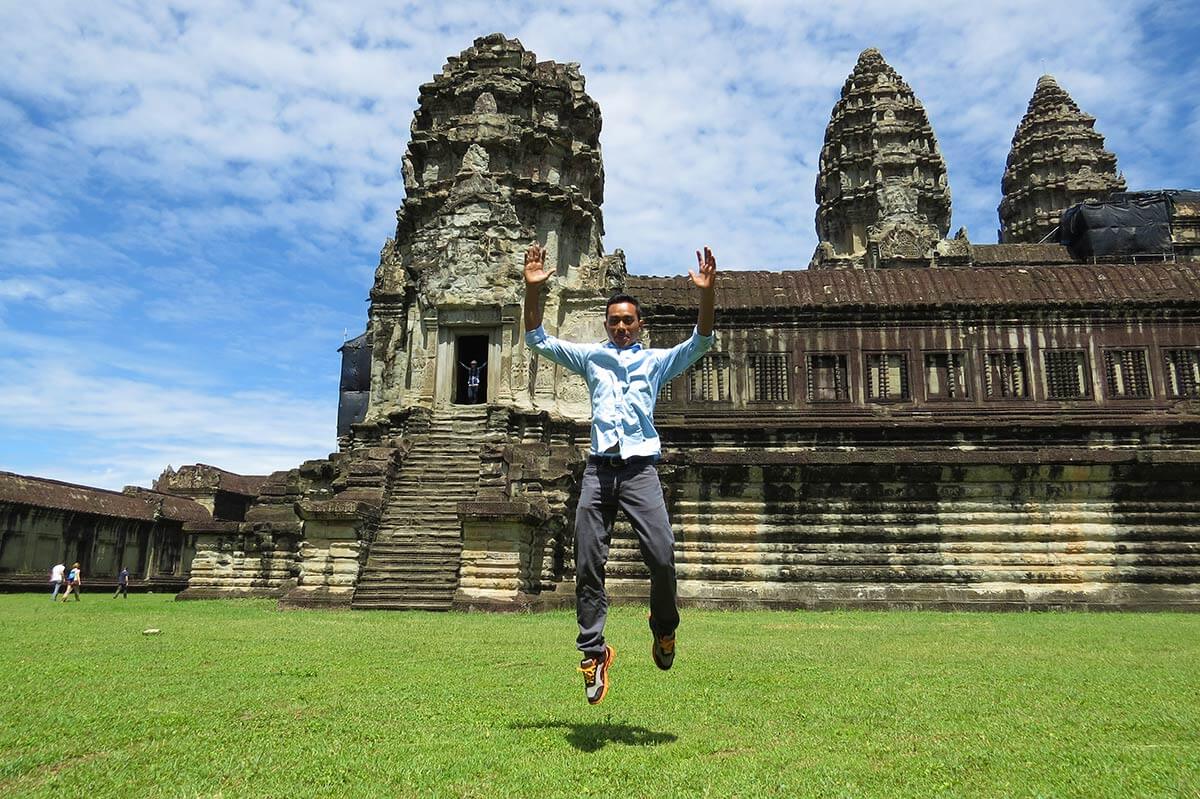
(705, 279)
(535, 276)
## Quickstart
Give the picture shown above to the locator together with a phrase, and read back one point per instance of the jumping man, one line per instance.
(623, 380)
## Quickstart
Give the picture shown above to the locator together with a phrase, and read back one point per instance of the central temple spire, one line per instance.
(880, 168)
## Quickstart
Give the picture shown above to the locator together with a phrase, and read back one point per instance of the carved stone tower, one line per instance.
(505, 151)
(1057, 160)
(881, 191)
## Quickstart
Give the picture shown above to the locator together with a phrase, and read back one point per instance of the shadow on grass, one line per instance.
(593, 737)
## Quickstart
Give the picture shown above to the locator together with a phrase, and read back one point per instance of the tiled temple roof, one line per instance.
(200, 478)
(246, 484)
(143, 505)
(1020, 254)
(1078, 284)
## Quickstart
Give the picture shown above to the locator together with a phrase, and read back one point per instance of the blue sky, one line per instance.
(193, 195)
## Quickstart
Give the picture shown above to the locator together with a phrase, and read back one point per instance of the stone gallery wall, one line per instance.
(34, 539)
(44, 522)
(920, 529)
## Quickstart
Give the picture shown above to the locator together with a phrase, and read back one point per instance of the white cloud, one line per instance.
(73, 296)
(133, 427)
(274, 108)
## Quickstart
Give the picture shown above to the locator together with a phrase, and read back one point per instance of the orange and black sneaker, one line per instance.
(663, 650)
(595, 675)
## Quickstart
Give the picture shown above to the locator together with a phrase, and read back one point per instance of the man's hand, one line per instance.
(535, 266)
(706, 280)
(535, 276)
(706, 265)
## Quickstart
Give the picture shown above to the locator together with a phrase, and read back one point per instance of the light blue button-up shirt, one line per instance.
(623, 384)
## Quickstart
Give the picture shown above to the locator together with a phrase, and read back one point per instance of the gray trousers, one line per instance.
(633, 487)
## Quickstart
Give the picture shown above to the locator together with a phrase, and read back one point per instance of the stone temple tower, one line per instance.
(1057, 160)
(881, 190)
(505, 151)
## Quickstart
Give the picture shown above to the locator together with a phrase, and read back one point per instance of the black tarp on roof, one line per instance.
(356, 364)
(1132, 226)
(352, 409)
(355, 386)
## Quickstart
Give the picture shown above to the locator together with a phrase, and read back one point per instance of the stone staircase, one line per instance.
(414, 560)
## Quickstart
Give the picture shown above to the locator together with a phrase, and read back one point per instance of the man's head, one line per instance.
(474, 362)
(623, 320)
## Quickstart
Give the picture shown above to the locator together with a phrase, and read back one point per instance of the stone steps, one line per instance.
(440, 502)
(409, 504)
(403, 602)
(417, 574)
(413, 547)
(415, 531)
(436, 464)
(414, 561)
(414, 580)
(441, 520)
(416, 508)
(446, 493)
(437, 508)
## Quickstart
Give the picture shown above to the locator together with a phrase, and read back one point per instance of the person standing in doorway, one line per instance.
(122, 584)
(623, 380)
(474, 379)
(56, 580)
(74, 582)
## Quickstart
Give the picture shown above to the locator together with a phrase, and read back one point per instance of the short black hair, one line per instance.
(621, 296)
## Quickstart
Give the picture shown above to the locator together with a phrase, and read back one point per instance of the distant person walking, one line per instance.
(56, 580)
(74, 582)
(122, 584)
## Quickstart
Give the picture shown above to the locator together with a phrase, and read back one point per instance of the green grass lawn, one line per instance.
(237, 699)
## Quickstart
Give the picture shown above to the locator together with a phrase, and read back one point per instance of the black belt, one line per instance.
(617, 462)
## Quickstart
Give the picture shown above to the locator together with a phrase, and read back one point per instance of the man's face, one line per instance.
(623, 324)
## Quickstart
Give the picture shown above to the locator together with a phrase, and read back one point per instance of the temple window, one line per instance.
(709, 379)
(886, 376)
(769, 377)
(1126, 373)
(828, 380)
(1005, 375)
(1183, 372)
(945, 375)
(1066, 374)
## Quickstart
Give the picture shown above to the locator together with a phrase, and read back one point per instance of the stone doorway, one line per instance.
(467, 349)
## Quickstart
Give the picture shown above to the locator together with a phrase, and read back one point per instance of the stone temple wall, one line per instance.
(921, 422)
(772, 515)
(964, 529)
